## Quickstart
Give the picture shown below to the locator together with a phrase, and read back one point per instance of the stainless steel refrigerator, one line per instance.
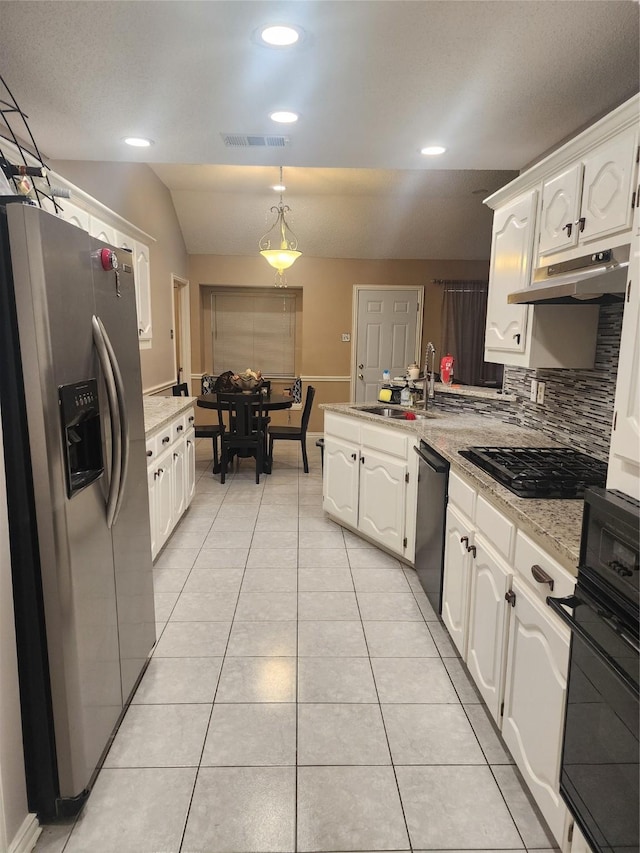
(74, 446)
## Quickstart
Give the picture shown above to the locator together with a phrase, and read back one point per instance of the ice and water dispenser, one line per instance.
(80, 417)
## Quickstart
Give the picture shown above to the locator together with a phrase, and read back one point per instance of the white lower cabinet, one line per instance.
(534, 700)
(488, 623)
(369, 481)
(456, 587)
(495, 584)
(170, 478)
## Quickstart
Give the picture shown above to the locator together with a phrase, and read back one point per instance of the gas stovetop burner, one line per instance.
(540, 472)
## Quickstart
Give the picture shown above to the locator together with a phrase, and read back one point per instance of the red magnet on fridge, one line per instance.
(109, 259)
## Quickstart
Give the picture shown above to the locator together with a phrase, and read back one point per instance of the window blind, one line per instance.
(255, 330)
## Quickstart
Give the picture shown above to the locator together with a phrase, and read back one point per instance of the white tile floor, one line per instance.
(302, 696)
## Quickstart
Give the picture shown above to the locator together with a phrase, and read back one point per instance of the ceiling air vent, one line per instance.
(241, 140)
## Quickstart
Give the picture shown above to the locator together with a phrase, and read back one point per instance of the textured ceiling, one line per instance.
(498, 83)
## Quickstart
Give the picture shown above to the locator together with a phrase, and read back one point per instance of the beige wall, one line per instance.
(327, 286)
(136, 193)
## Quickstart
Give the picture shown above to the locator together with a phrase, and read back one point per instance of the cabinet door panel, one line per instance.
(560, 205)
(510, 269)
(153, 510)
(101, 231)
(142, 271)
(488, 620)
(164, 499)
(608, 179)
(178, 479)
(340, 480)
(190, 467)
(457, 578)
(75, 215)
(534, 701)
(382, 499)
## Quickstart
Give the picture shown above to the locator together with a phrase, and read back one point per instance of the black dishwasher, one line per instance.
(433, 479)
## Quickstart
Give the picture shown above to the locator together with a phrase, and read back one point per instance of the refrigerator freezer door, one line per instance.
(116, 308)
(52, 272)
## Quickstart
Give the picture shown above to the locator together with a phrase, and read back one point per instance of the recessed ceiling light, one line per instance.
(279, 188)
(280, 35)
(138, 141)
(284, 116)
(432, 150)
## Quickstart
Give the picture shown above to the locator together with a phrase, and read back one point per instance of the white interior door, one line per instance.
(388, 322)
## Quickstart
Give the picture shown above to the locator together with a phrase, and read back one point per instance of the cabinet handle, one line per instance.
(510, 597)
(568, 228)
(188, 442)
(464, 540)
(149, 453)
(175, 455)
(354, 456)
(140, 331)
(362, 459)
(166, 439)
(179, 428)
(516, 337)
(541, 576)
(155, 475)
(191, 419)
(472, 550)
(581, 222)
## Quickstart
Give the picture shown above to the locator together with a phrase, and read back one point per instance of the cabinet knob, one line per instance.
(361, 367)
(165, 439)
(360, 376)
(179, 428)
(149, 453)
(568, 228)
(464, 540)
(581, 222)
(510, 597)
(191, 419)
(541, 576)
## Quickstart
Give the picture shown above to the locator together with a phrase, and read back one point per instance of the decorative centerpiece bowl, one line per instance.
(249, 380)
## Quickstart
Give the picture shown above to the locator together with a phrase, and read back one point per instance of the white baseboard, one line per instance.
(26, 837)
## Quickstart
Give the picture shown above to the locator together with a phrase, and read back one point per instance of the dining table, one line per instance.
(271, 402)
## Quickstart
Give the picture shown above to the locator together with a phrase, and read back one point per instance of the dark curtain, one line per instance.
(464, 314)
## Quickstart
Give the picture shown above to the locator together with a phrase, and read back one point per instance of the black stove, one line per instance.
(540, 472)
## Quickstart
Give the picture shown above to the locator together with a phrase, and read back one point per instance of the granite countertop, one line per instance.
(556, 525)
(159, 411)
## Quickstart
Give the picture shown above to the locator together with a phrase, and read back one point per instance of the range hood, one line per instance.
(596, 279)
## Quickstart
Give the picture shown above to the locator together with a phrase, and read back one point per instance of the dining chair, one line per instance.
(245, 433)
(295, 433)
(211, 431)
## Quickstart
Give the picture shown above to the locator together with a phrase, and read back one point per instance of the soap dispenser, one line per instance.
(405, 395)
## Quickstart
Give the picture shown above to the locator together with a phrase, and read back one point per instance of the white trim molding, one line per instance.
(26, 837)
(326, 378)
(156, 389)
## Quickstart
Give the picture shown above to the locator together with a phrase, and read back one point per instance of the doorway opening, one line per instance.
(181, 331)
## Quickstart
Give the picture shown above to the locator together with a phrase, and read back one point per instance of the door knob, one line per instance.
(360, 376)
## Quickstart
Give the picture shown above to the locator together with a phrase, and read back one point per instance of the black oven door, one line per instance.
(599, 775)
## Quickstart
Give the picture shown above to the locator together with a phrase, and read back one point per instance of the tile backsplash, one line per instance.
(578, 404)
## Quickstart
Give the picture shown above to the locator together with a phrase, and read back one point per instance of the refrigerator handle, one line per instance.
(124, 420)
(114, 415)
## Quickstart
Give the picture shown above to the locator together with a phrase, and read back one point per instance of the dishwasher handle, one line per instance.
(431, 458)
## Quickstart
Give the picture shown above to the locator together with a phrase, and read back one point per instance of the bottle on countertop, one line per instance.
(386, 377)
(405, 395)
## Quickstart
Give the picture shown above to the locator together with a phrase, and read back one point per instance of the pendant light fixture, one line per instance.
(282, 257)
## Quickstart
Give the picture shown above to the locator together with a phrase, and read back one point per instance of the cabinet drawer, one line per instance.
(462, 495)
(495, 527)
(164, 437)
(152, 450)
(388, 441)
(528, 554)
(178, 427)
(346, 428)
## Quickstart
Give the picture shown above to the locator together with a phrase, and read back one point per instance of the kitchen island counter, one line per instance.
(554, 524)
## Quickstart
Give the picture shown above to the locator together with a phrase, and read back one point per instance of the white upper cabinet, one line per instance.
(510, 269)
(609, 174)
(142, 271)
(75, 215)
(590, 199)
(102, 231)
(560, 205)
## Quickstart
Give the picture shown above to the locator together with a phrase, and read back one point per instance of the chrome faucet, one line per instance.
(429, 390)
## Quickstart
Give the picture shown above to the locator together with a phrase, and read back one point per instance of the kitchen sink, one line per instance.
(397, 414)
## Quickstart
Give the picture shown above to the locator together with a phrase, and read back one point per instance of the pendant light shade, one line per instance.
(282, 257)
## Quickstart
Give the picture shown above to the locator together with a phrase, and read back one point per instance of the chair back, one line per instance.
(180, 390)
(247, 416)
(306, 412)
